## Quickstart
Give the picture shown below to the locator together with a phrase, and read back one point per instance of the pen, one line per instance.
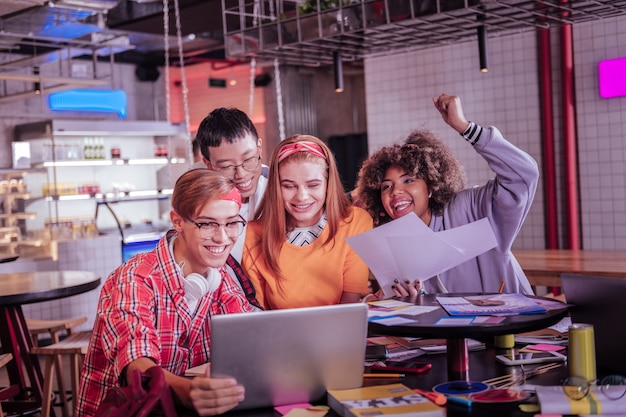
(383, 375)
(459, 401)
(501, 287)
(435, 397)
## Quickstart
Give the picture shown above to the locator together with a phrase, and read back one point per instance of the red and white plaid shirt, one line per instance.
(142, 312)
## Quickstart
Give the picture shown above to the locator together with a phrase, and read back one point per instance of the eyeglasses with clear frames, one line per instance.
(209, 229)
(249, 165)
(612, 386)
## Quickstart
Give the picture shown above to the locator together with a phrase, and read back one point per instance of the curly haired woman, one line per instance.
(422, 176)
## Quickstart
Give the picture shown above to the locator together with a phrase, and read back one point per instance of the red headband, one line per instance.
(302, 146)
(233, 195)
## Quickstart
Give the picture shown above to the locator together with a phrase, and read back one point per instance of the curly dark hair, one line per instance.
(423, 155)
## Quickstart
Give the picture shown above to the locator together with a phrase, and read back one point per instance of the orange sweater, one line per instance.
(312, 275)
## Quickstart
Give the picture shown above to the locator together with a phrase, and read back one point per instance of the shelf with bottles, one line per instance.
(94, 163)
(109, 197)
(104, 142)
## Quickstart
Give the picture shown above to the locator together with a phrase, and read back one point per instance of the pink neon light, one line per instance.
(612, 78)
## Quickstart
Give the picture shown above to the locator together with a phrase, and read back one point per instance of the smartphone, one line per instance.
(376, 352)
(412, 367)
(523, 358)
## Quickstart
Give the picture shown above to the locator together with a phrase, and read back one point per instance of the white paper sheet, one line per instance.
(407, 249)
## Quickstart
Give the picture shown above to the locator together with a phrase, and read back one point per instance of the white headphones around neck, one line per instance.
(199, 285)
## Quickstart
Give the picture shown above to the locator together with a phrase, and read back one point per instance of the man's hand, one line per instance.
(213, 396)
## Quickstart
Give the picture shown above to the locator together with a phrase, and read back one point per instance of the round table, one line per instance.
(424, 325)
(17, 289)
(6, 259)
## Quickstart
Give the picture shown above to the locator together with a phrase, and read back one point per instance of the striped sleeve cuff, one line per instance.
(472, 133)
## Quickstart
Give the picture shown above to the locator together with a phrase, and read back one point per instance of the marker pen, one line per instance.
(459, 401)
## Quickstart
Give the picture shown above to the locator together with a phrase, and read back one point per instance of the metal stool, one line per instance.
(75, 346)
(55, 328)
(4, 359)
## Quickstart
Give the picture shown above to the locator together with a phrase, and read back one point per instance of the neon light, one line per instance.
(612, 78)
(111, 101)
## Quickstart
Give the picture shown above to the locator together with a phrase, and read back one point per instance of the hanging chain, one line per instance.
(252, 75)
(181, 60)
(279, 101)
(256, 11)
(166, 50)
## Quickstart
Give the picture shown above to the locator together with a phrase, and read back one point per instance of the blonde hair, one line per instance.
(271, 212)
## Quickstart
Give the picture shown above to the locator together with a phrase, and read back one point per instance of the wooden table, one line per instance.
(17, 289)
(544, 267)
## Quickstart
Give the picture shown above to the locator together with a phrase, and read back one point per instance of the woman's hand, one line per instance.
(451, 111)
(407, 288)
(213, 396)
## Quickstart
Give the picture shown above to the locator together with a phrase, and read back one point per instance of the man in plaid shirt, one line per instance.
(155, 308)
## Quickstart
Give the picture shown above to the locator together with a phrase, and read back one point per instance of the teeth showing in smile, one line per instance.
(303, 206)
(217, 249)
(401, 205)
(245, 184)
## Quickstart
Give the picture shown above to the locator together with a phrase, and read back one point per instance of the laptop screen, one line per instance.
(290, 356)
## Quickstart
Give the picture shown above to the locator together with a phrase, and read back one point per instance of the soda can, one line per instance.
(581, 357)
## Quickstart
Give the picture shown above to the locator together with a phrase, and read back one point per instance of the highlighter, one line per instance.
(464, 402)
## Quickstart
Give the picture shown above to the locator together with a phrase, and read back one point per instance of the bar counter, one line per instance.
(544, 267)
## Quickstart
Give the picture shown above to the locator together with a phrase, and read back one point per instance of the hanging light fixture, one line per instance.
(483, 50)
(233, 80)
(338, 69)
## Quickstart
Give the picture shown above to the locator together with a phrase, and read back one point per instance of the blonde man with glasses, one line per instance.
(155, 309)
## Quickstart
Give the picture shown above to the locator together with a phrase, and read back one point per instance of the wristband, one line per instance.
(472, 133)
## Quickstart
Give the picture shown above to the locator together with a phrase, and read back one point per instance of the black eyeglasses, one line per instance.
(612, 386)
(209, 229)
(249, 165)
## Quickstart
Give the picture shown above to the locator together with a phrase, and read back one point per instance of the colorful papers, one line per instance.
(542, 347)
(489, 305)
(391, 307)
(407, 249)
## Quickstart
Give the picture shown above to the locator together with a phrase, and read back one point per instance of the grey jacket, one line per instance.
(505, 201)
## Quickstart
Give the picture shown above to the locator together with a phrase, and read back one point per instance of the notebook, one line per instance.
(290, 356)
(600, 301)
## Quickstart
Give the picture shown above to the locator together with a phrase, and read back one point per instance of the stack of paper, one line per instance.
(407, 249)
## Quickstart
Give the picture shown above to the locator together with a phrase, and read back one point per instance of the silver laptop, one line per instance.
(290, 356)
(600, 301)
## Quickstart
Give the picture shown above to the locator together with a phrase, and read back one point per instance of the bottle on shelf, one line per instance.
(87, 149)
(99, 148)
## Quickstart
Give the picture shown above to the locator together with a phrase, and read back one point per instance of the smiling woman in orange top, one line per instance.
(295, 251)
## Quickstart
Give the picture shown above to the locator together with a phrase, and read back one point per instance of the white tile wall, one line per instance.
(601, 127)
(399, 90)
(399, 98)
